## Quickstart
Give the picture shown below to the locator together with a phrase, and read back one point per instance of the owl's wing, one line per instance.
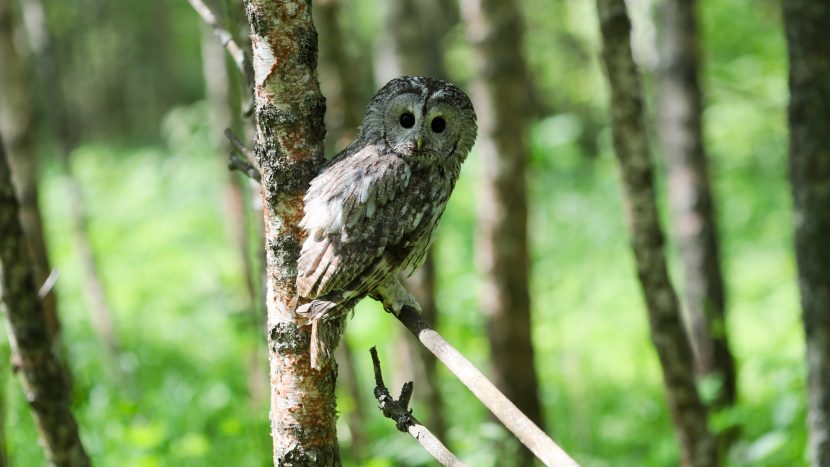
(350, 212)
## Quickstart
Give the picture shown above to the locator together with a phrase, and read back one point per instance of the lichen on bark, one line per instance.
(289, 146)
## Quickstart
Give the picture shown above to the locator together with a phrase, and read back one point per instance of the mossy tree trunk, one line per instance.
(807, 24)
(43, 377)
(17, 122)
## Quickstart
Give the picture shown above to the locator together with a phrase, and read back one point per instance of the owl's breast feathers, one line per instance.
(368, 215)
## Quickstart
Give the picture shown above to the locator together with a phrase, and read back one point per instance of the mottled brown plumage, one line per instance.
(372, 210)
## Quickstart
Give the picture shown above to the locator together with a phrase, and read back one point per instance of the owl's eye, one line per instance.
(407, 120)
(438, 124)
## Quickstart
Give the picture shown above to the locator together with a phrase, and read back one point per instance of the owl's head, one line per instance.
(425, 119)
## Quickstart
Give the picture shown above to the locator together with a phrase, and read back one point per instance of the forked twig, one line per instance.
(399, 411)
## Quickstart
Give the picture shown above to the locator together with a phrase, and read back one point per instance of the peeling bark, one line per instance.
(495, 28)
(631, 147)
(289, 146)
(43, 377)
(807, 24)
(681, 136)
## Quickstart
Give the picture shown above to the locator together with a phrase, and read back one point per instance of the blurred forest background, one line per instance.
(158, 245)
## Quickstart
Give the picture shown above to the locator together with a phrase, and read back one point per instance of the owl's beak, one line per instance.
(419, 143)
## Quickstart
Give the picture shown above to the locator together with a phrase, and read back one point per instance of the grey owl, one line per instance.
(372, 210)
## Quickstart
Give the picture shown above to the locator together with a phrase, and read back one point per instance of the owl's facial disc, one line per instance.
(419, 128)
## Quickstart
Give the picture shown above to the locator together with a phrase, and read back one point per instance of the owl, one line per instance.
(372, 211)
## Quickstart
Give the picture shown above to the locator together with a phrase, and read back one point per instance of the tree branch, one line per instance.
(399, 411)
(247, 165)
(512, 418)
(240, 146)
(235, 162)
(240, 58)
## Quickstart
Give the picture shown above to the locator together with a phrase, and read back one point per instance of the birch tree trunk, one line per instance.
(807, 24)
(289, 146)
(495, 28)
(697, 445)
(681, 137)
(44, 379)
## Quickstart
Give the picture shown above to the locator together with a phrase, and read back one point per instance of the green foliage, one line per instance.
(180, 395)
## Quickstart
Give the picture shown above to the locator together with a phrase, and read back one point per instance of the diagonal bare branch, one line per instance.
(511, 417)
(240, 58)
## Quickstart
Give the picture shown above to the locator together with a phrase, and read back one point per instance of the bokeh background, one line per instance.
(187, 385)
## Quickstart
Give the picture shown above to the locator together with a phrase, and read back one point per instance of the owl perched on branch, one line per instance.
(372, 210)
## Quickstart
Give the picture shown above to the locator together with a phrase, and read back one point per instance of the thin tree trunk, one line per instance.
(495, 28)
(807, 24)
(341, 81)
(18, 124)
(289, 145)
(4, 370)
(415, 37)
(631, 146)
(56, 114)
(43, 377)
(681, 137)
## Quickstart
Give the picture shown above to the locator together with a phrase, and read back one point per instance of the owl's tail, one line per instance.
(326, 329)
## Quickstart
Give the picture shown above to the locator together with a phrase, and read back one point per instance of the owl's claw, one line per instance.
(395, 297)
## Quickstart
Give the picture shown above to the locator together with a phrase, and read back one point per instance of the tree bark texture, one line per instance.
(415, 37)
(807, 23)
(43, 377)
(495, 28)
(681, 136)
(17, 112)
(289, 146)
(631, 146)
